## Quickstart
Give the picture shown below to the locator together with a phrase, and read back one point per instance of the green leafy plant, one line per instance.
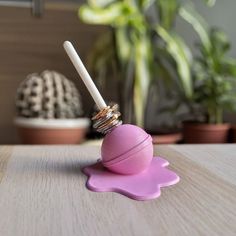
(141, 47)
(214, 77)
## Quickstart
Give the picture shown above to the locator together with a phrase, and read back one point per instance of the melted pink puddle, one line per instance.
(143, 186)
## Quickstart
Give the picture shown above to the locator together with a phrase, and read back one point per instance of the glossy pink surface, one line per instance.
(127, 149)
(143, 186)
(134, 163)
(125, 137)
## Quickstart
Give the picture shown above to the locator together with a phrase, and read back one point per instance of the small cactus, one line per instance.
(48, 95)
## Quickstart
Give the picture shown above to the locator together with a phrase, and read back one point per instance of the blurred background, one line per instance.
(31, 38)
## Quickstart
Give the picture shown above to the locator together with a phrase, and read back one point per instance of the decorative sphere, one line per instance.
(127, 150)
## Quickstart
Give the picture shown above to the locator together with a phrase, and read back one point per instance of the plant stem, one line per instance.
(219, 116)
(211, 114)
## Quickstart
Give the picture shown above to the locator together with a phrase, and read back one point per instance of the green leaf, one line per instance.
(229, 67)
(189, 14)
(167, 12)
(123, 45)
(220, 42)
(106, 16)
(142, 77)
(210, 3)
(100, 3)
(181, 55)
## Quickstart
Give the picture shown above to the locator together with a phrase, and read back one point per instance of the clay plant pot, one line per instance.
(52, 131)
(166, 138)
(205, 133)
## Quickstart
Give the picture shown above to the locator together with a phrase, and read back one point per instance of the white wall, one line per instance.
(222, 15)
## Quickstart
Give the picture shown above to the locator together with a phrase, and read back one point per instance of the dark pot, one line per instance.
(205, 133)
(233, 129)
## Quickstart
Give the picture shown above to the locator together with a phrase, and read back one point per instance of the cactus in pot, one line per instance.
(48, 110)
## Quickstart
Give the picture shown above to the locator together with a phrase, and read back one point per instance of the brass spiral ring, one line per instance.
(107, 119)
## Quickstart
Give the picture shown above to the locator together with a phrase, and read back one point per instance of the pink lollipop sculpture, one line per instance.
(127, 164)
(127, 150)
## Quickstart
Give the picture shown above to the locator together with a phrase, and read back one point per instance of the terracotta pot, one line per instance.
(166, 138)
(233, 129)
(205, 133)
(53, 131)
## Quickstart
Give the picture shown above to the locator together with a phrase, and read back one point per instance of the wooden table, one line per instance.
(42, 192)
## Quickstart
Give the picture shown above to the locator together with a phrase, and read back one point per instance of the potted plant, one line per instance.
(214, 78)
(141, 51)
(48, 110)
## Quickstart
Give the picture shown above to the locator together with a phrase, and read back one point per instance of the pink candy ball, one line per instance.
(127, 150)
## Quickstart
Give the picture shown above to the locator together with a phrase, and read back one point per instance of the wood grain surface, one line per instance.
(5, 152)
(43, 192)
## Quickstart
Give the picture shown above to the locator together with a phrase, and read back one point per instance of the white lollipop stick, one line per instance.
(78, 64)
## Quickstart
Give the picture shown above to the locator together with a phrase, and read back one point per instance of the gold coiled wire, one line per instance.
(107, 119)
